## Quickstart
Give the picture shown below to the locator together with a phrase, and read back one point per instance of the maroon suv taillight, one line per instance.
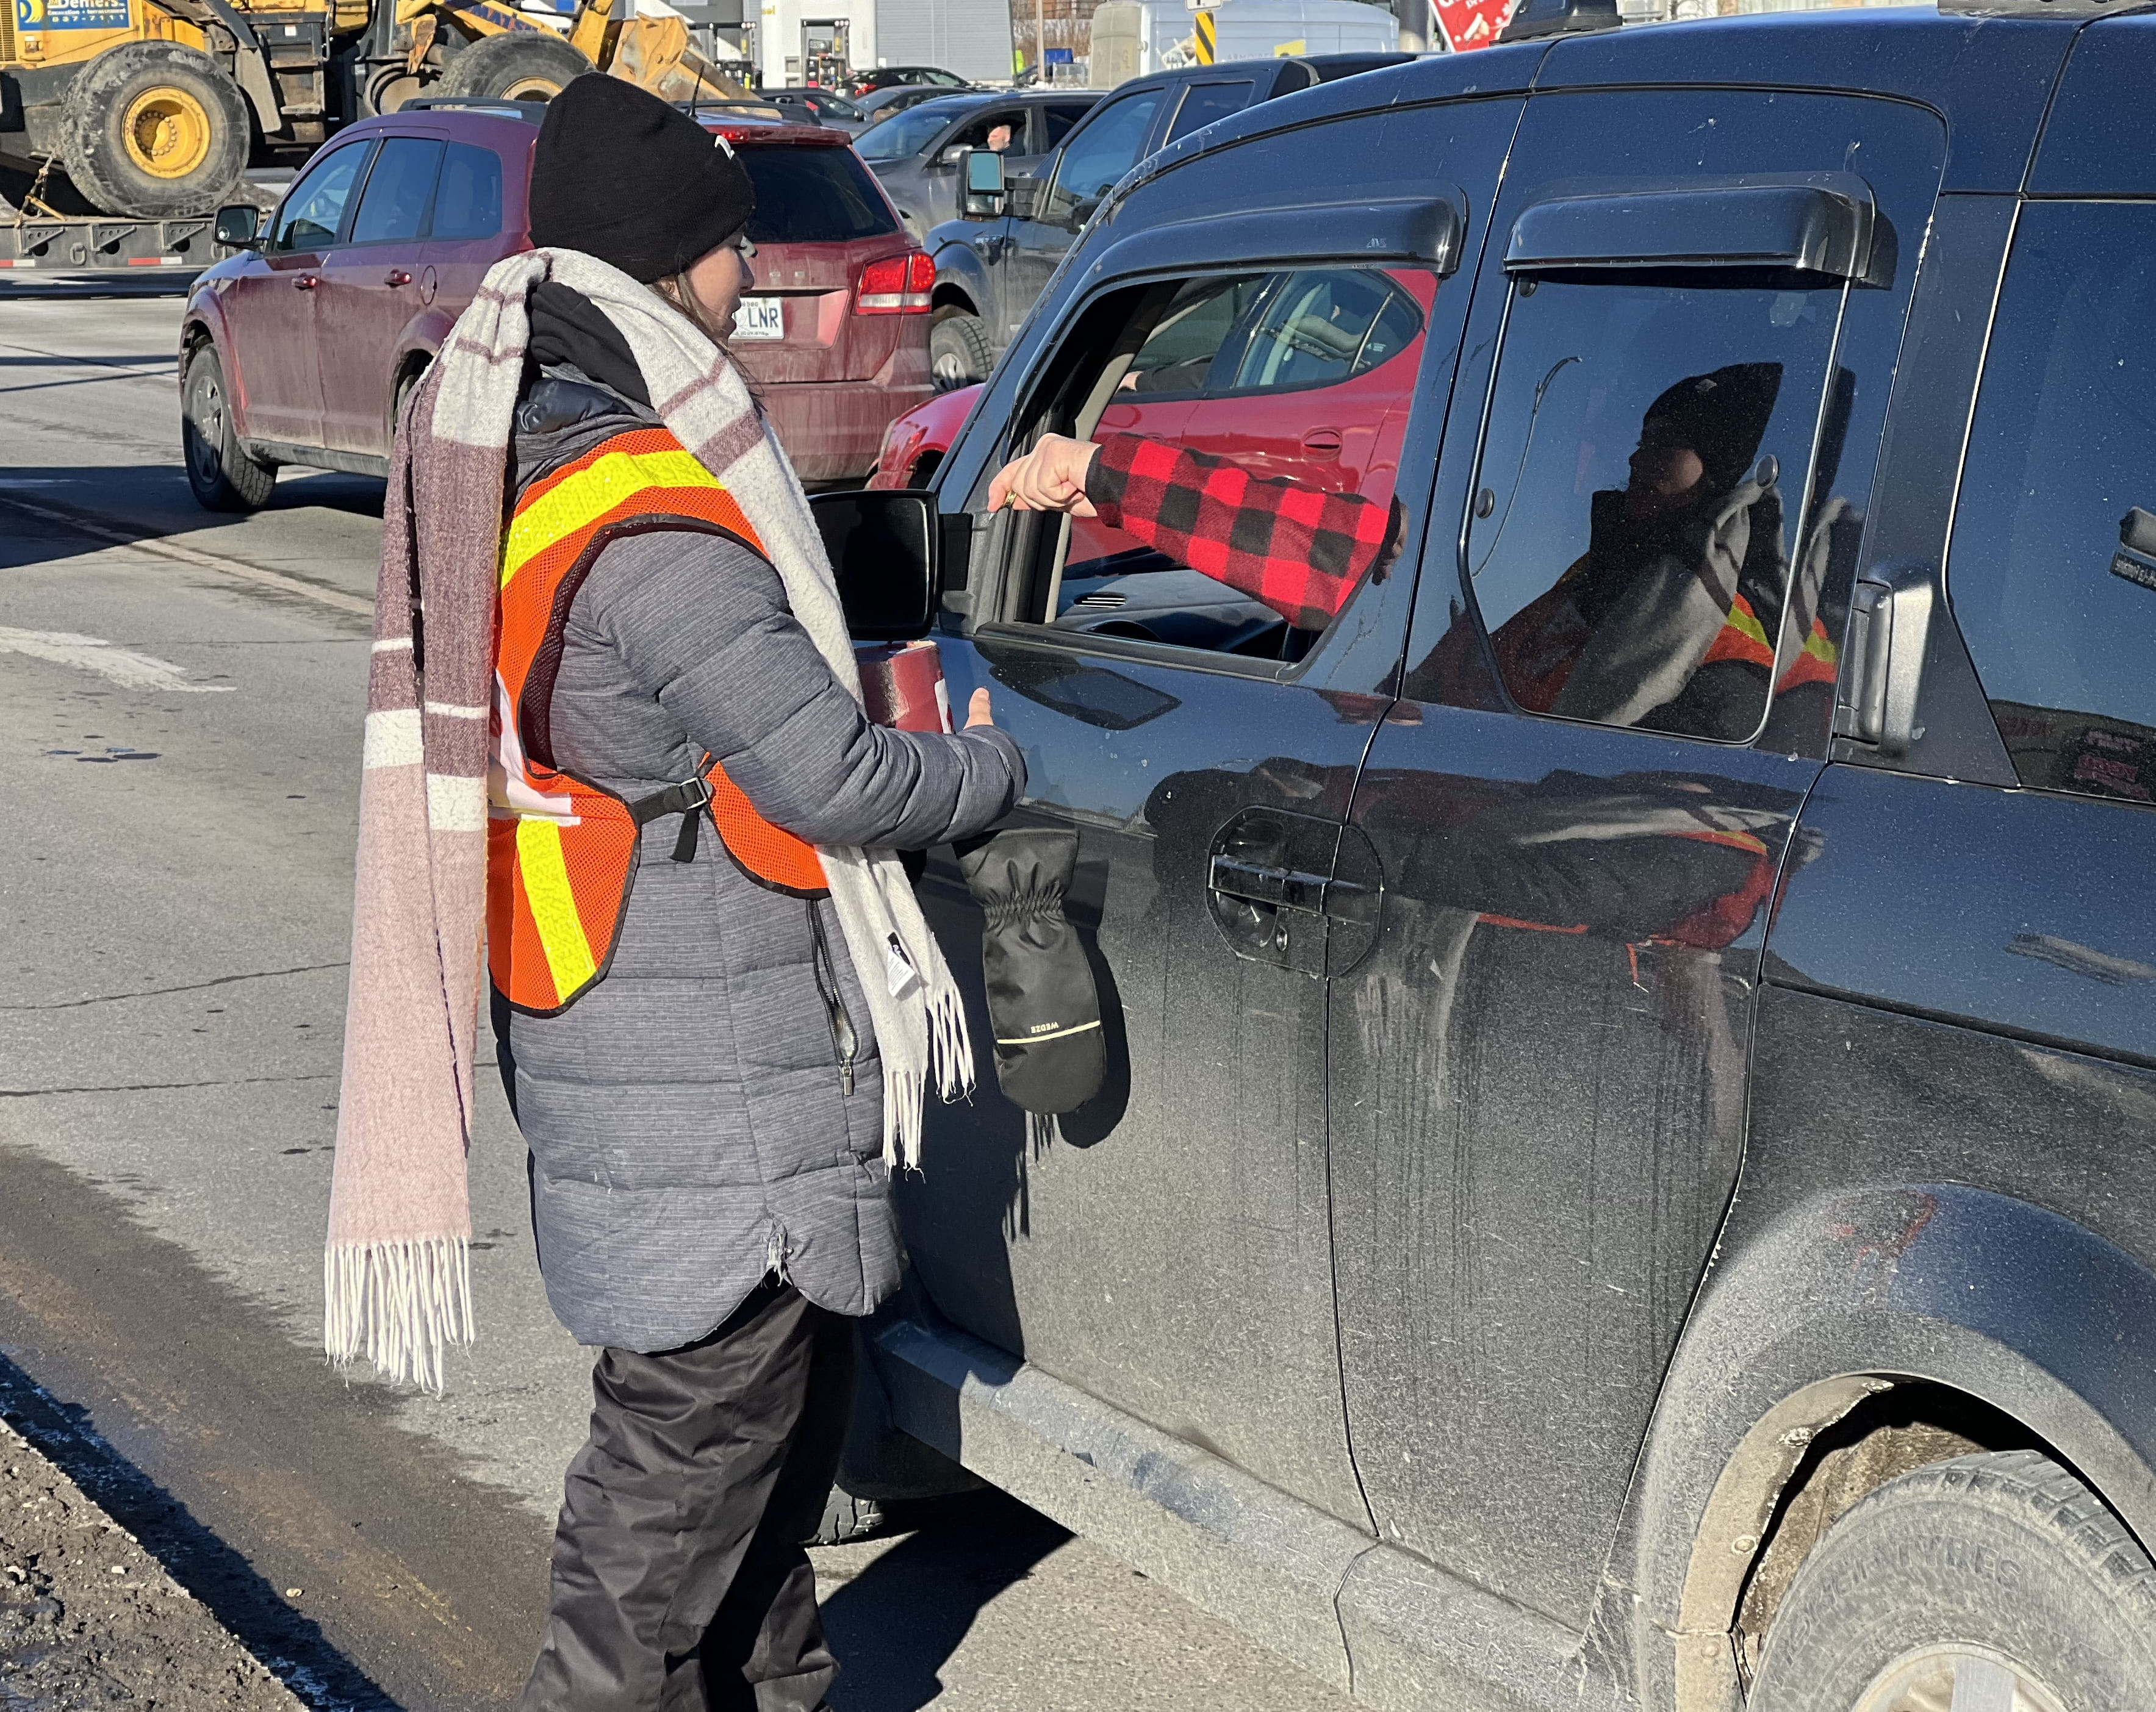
(896, 285)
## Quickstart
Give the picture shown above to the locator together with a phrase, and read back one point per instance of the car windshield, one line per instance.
(905, 133)
(814, 196)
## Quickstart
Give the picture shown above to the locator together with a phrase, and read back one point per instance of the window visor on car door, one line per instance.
(1641, 544)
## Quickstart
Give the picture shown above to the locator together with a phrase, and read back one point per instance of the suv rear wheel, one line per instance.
(517, 68)
(154, 130)
(958, 352)
(224, 476)
(1998, 1581)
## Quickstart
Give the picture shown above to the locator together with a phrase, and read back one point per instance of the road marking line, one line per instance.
(94, 654)
(217, 562)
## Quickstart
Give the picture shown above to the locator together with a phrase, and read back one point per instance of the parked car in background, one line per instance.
(810, 106)
(300, 349)
(1625, 1179)
(879, 105)
(889, 77)
(916, 153)
(990, 268)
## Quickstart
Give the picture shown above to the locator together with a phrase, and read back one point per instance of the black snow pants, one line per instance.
(679, 1581)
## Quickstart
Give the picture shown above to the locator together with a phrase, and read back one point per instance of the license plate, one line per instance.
(759, 318)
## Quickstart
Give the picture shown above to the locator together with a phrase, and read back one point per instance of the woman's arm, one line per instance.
(1297, 549)
(701, 624)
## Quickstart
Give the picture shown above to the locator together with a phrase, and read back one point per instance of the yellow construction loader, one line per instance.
(152, 109)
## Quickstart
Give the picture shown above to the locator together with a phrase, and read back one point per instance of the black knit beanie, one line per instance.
(1722, 416)
(621, 175)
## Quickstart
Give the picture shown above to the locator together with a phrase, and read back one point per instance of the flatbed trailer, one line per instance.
(107, 243)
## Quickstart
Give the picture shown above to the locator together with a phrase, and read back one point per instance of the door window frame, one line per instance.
(1014, 535)
(427, 210)
(370, 146)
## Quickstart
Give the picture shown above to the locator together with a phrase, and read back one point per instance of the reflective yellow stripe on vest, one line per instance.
(545, 872)
(579, 502)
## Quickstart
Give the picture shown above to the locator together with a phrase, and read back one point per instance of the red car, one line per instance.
(1213, 391)
(300, 349)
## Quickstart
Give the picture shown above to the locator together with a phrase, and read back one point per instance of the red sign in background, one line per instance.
(1471, 23)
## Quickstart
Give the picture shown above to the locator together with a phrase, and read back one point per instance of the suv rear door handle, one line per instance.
(1890, 619)
(1322, 440)
(396, 276)
(1335, 899)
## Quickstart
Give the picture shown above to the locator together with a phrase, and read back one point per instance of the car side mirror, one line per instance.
(986, 193)
(239, 227)
(886, 548)
(954, 155)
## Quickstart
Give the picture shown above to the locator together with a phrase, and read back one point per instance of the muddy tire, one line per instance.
(959, 354)
(517, 68)
(155, 130)
(847, 1517)
(223, 476)
(1988, 1580)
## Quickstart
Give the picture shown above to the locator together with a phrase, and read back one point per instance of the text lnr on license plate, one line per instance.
(759, 318)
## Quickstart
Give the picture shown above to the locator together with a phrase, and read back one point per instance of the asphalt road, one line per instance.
(180, 705)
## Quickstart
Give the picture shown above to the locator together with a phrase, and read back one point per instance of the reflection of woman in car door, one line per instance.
(1684, 564)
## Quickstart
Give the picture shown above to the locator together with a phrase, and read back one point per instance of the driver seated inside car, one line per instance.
(1660, 623)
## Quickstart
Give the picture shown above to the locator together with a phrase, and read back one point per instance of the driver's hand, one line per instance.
(1050, 478)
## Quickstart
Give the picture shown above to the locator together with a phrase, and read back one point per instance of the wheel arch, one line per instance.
(204, 324)
(1945, 1296)
(961, 279)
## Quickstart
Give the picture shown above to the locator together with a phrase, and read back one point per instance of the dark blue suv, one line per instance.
(1627, 1175)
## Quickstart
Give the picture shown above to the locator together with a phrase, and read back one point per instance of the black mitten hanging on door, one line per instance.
(1043, 1008)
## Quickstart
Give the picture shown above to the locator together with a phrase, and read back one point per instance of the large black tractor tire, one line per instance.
(958, 350)
(223, 476)
(518, 67)
(1992, 1581)
(155, 130)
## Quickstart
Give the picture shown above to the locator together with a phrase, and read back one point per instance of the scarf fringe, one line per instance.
(400, 1304)
(950, 1042)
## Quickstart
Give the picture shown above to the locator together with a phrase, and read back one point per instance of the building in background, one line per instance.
(821, 41)
(1131, 38)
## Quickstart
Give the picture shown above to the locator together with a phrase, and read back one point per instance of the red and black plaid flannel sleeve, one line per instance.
(1299, 550)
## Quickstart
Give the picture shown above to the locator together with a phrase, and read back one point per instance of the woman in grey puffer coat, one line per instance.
(705, 1124)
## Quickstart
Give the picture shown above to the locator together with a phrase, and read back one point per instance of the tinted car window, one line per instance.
(1204, 102)
(394, 203)
(903, 134)
(469, 202)
(313, 211)
(1627, 546)
(1177, 356)
(814, 196)
(1056, 121)
(2052, 571)
(1100, 153)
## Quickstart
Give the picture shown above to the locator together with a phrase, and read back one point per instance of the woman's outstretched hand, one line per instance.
(1050, 478)
(977, 710)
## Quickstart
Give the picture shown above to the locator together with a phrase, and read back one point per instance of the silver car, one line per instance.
(916, 153)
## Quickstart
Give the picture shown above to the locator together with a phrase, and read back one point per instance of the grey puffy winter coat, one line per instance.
(688, 1121)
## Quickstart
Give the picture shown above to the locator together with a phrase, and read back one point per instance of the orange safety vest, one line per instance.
(561, 849)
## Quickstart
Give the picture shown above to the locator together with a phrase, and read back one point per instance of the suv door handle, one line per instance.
(1322, 440)
(1291, 889)
(396, 276)
(306, 282)
(1890, 619)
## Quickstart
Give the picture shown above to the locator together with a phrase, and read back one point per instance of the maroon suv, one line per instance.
(298, 350)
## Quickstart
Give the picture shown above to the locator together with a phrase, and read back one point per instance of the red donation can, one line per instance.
(902, 685)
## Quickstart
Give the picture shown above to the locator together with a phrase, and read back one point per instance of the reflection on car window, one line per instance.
(394, 202)
(1100, 153)
(469, 202)
(1162, 370)
(903, 134)
(314, 209)
(1627, 546)
(1204, 102)
(2052, 571)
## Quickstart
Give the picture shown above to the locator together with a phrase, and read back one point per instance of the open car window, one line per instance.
(1292, 387)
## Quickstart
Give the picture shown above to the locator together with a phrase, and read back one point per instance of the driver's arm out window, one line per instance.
(1249, 427)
